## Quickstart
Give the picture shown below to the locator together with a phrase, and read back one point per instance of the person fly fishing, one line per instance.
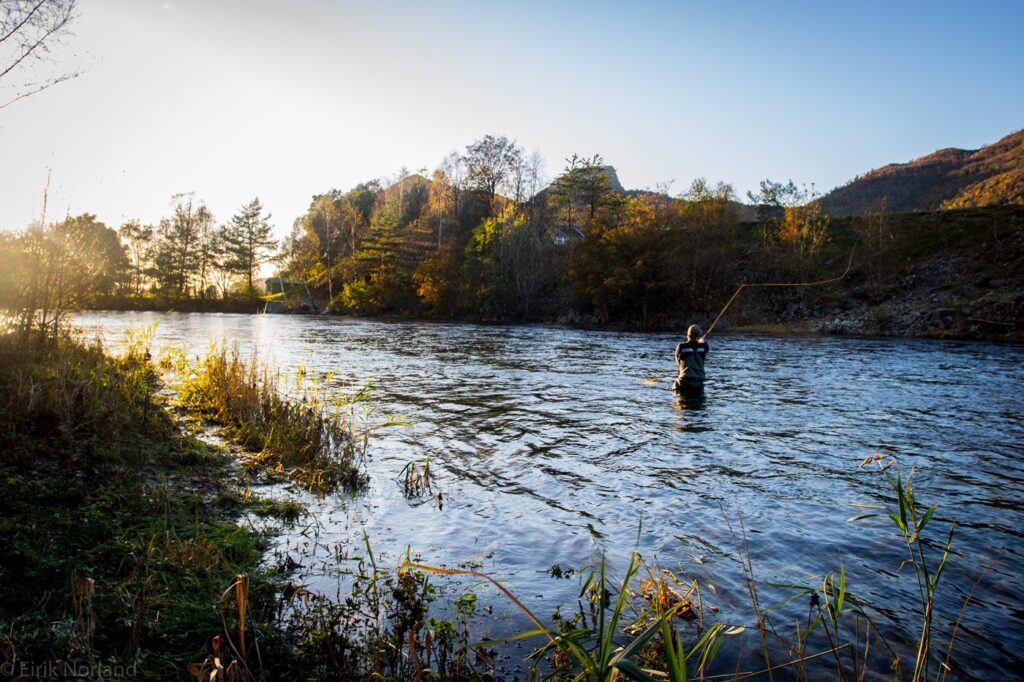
(690, 355)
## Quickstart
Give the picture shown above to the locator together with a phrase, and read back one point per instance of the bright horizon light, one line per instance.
(283, 100)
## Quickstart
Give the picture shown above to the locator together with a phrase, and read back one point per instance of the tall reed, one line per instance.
(309, 436)
(911, 520)
(600, 644)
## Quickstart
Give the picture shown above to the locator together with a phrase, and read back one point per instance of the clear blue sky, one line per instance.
(237, 98)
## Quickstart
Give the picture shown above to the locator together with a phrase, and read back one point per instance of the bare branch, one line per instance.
(28, 31)
(40, 88)
(58, 23)
(23, 22)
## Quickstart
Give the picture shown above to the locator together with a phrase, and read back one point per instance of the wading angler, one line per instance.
(690, 355)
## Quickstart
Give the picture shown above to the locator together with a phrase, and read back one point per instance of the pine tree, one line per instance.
(248, 241)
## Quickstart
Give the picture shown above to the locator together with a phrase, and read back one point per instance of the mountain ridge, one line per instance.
(944, 179)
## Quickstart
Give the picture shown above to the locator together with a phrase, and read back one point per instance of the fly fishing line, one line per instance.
(832, 280)
(849, 264)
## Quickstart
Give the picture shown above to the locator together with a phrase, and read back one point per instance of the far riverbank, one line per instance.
(955, 275)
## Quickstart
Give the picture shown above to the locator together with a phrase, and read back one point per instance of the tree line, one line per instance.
(52, 268)
(485, 236)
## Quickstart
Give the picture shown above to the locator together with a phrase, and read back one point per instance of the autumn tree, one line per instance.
(792, 219)
(99, 253)
(50, 270)
(441, 208)
(363, 197)
(300, 255)
(527, 251)
(709, 215)
(453, 168)
(437, 280)
(486, 274)
(332, 224)
(10, 263)
(490, 163)
(628, 264)
(398, 237)
(581, 190)
(138, 240)
(210, 253)
(179, 252)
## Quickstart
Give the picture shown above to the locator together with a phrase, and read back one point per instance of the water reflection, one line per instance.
(549, 447)
(692, 399)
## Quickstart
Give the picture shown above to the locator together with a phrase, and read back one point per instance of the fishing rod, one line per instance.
(849, 264)
(831, 280)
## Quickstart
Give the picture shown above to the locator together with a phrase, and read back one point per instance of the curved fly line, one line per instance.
(820, 282)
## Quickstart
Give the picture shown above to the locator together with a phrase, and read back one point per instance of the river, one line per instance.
(553, 445)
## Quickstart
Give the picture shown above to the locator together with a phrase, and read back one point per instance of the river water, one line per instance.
(553, 445)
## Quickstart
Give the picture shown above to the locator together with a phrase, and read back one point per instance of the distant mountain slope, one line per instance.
(948, 178)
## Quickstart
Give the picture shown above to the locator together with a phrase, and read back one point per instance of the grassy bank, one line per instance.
(128, 553)
(119, 530)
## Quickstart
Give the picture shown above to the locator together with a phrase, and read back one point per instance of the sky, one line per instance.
(233, 99)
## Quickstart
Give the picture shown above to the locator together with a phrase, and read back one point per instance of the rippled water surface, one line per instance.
(553, 445)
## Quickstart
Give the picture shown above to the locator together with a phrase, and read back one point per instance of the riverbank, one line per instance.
(137, 545)
(120, 529)
(236, 304)
(944, 275)
(955, 275)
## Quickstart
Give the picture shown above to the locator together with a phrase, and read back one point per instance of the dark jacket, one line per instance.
(690, 356)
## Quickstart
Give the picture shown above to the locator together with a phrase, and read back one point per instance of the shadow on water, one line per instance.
(549, 447)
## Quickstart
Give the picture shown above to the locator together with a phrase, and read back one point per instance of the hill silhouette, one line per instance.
(948, 178)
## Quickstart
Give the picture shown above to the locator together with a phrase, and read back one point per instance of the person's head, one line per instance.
(694, 332)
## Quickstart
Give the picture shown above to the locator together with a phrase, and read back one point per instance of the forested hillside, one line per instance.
(948, 178)
(486, 238)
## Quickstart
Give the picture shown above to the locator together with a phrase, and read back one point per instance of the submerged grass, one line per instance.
(308, 436)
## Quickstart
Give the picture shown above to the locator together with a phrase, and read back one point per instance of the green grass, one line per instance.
(118, 530)
(123, 546)
(284, 510)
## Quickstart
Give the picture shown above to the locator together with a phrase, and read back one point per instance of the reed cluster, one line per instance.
(653, 625)
(308, 435)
